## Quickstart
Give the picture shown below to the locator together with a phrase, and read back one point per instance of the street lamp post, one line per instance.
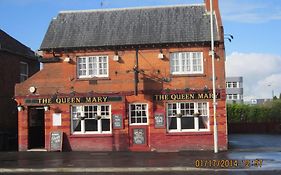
(214, 79)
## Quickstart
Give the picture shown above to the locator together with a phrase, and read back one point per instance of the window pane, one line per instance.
(187, 123)
(203, 122)
(133, 120)
(197, 61)
(91, 125)
(172, 109)
(24, 68)
(172, 122)
(105, 124)
(144, 120)
(76, 125)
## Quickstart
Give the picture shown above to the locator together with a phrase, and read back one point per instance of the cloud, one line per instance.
(248, 12)
(258, 71)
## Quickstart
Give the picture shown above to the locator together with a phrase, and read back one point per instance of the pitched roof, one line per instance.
(10, 44)
(133, 26)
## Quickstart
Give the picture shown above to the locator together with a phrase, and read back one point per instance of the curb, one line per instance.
(119, 170)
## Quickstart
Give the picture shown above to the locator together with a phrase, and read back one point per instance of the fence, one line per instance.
(273, 128)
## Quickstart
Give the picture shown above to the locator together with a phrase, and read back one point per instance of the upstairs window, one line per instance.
(186, 63)
(92, 66)
(23, 71)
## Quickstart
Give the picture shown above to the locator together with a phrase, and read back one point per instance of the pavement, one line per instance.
(248, 154)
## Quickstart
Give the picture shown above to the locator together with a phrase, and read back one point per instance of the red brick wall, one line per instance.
(121, 78)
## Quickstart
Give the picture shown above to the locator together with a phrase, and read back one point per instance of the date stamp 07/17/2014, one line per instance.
(247, 163)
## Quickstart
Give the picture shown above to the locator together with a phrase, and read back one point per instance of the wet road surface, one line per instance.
(255, 154)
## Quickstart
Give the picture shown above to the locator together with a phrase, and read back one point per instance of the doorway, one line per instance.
(36, 128)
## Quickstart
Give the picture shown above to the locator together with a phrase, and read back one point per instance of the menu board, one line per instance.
(159, 120)
(117, 121)
(56, 141)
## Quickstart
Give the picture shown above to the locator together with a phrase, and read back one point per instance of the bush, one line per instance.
(269, 112)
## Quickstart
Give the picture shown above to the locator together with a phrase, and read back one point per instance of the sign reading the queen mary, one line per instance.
(190, 96)
(67, 100)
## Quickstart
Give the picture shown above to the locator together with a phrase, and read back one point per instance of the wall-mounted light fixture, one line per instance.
(161, 55)
(98, 117)
(179, 115)
(20, 107)
(229, 37)
(67, 59)
(32, 89)
(46, 108)
(196, 114)
(116, 56)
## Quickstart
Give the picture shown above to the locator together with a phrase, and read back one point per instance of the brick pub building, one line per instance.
(136, 79)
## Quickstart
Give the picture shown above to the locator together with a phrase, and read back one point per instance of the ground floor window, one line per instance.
(138, 113)
(187, 116)
(91, 119)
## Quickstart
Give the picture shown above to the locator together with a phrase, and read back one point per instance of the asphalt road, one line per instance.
(255, 154)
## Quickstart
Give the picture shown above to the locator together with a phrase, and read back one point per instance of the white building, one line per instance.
(234, 89)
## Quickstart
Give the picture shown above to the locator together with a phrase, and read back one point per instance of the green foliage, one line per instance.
(269, 112)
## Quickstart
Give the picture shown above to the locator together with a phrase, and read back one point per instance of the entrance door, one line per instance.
(36, 128)
(138, 126)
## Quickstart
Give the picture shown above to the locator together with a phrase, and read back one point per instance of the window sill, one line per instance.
(89, 135)
(189, 133)
(188, 75)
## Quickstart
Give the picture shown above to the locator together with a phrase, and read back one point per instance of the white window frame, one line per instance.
(234, 97)
(99, 122)
(88, 66)
(196, 119)
(146, 111)
(185, 62)
(229, 96)
(231, 84)
(23, 75)
(228, 84)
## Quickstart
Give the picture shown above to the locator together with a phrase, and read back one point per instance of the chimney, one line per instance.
(215, 5)
(217, 15)
(215, 10)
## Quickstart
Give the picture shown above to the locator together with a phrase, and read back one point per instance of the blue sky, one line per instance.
(255, 52)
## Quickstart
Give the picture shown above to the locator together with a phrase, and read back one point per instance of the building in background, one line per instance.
(136, 79)
(258, 101)
(17, 63)
(234, 89)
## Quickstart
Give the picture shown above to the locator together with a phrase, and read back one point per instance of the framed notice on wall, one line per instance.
(117, 121)
(159, 120)
(57, 119)
(139, 136)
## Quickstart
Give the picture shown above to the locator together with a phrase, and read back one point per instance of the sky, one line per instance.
(254, 53)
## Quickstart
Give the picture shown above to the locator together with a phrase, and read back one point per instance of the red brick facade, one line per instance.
(61, 78)
(58, 87)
